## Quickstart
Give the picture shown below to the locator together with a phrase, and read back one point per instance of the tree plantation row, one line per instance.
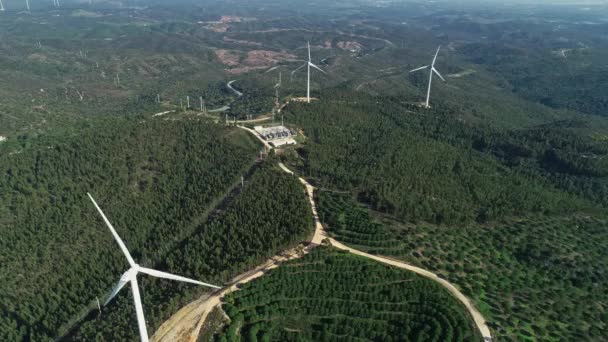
(329, 295)
(534, 276)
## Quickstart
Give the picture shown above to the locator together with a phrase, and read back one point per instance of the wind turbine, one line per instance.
(277, 86)
(131, 276)
(1, 6)
(27, 4)
(308, 64)
(433, 70)
(276, 95)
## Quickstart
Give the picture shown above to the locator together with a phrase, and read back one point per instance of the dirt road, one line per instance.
(480, 322)
(238, 93)
(186, 324)
(320, 235)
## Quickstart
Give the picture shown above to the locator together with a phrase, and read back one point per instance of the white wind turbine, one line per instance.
(131, 276)
(277, 86)
(1, 6)
(433, 70)
(308, 64)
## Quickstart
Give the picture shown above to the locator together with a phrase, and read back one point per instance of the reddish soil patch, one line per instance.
(230, 58)
(266, 58)
(219, 28)
(239, 62)
(231, 19)
(351, 46)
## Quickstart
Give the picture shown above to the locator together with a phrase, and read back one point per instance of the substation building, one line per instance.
(276, 135)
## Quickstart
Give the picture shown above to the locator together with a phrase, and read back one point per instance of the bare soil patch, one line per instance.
(350, 46)
(241, 62)
(228, 57)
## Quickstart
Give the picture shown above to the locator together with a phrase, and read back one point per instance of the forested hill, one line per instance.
(510, 268)
(329, 294)
(153, 178)
(428, 165)
(271, 214)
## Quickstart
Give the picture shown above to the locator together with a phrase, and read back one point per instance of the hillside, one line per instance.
(428, 165)
(528, 275)
(269, 215)
(328, 295)
(154, 179)
(501, 186)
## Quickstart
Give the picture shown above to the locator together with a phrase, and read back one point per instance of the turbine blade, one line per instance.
(421, 68)
(116, 237)
(165, 275)
(436, 53)
(141, 320)
(316, 67)
(121, 283)
(298, 69)
(309, 59)
(438, 74)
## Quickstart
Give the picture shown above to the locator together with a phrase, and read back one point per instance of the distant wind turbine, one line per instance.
(276, 88)
(131, 276)
(1, 6)
(433, 70)
(27, 4)
(280, 80)
(308, 64)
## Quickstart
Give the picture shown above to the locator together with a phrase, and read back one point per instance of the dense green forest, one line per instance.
(427, 165)
(271, 214)
(532, 74)
(154, 179)
(529, 276)
(514, 149)
(330, 295)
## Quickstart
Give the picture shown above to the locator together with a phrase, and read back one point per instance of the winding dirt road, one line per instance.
(480, 322)
(186, 324)
(321, 234)
(238, 93)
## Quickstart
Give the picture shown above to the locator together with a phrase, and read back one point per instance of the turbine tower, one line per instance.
(1, 6)
(276, 88)
(433, 70)
(308, 65)
(130, 276)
